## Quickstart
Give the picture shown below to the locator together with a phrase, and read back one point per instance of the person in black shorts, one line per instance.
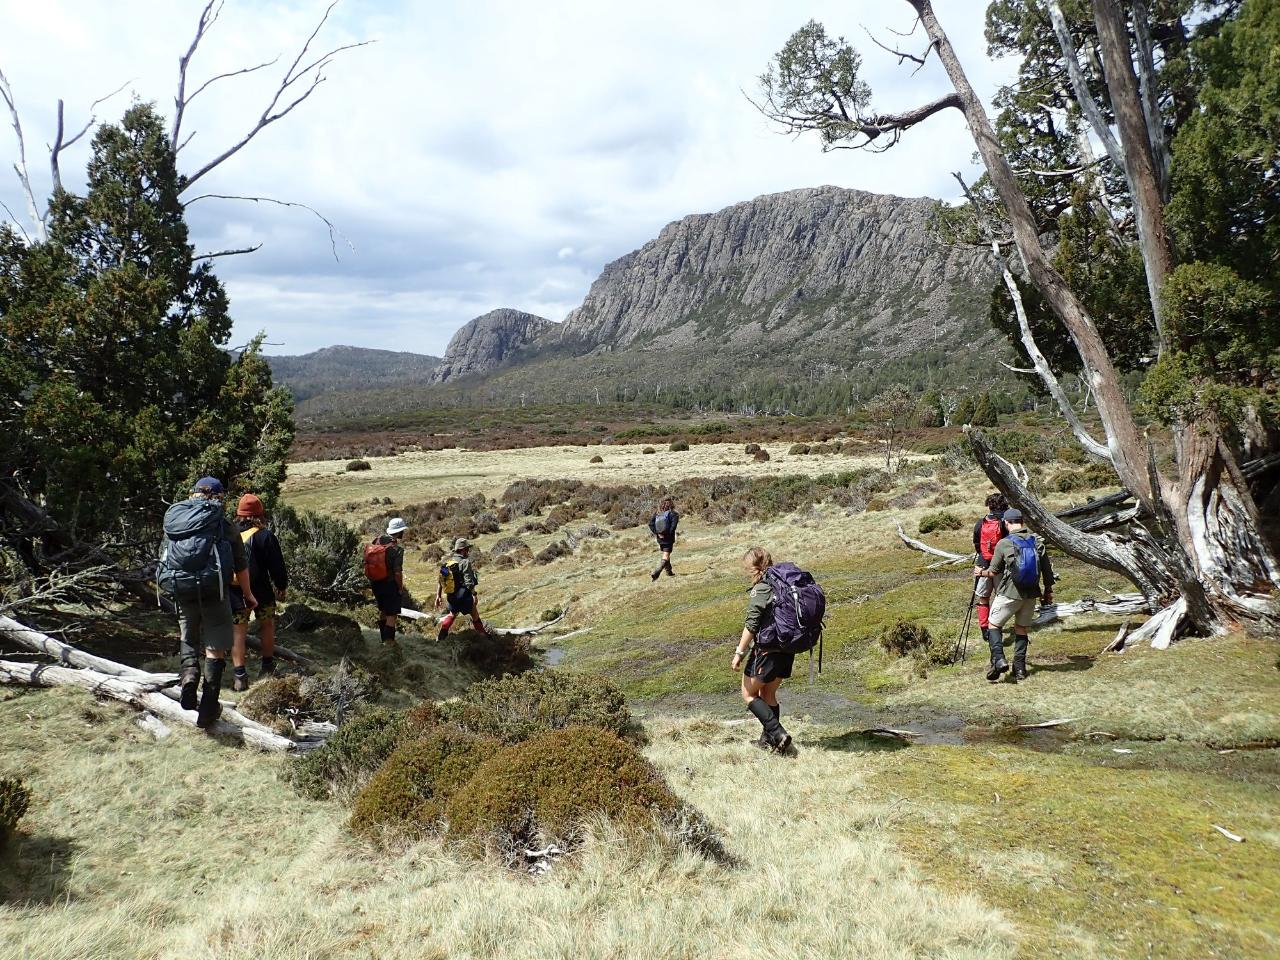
(663, 527)
(387, 590)
(763, 670)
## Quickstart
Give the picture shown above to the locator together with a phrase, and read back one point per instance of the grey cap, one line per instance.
(1012, 515)
(462, 543)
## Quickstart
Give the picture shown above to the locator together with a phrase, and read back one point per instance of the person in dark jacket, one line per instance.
(987, 532)
(388, 590)
(762, 670)
(1015, 600)
(206, 621)
(460, 590)
(663, 527)
(269, 580)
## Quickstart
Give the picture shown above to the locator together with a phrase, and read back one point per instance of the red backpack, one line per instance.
(375, 560)
(989, 535)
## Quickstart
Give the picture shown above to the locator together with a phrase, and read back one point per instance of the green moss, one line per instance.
(1128, 866)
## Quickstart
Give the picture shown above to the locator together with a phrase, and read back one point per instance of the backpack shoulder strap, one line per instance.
(247, 535)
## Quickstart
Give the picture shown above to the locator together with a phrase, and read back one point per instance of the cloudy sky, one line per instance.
(478, 154)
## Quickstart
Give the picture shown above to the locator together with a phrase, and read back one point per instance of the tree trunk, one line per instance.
(1139, 161)
(1198, 540)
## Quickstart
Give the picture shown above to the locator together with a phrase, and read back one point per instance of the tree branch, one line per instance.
(228, 253)
(1080, 85)
(312, 75)
(334, 232)
(207, 18)
(20, 167)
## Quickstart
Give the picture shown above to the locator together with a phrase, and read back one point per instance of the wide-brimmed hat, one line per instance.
(462, 543)
(396, 525)
(249, 506)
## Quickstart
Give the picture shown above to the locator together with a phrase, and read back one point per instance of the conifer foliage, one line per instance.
(119, 388)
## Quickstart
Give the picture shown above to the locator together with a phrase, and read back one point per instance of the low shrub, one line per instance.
(275, 701)
(1090, 478)
(15, 798)
(752, 448)
(355, 465)
(903, 637)
(552, 551)
(348, 758)
(760, 456)
(798, 449)
(338, 693)
(322, 554)
(407, 797)
(941, 520)
(549, 788)
(513, 549)
(517, 708)
(597, 459)
(680, 446)
(648, 450)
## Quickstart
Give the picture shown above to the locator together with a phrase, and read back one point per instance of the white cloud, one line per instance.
(478, 155)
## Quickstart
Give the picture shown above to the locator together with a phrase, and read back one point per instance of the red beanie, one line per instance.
(249, 506)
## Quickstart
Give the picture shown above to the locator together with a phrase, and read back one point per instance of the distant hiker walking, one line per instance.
(987, 532)
(384, 568)
(269, 580)
(456, 586)
(200, 558)
(1018, 566)
(663, 527)
(784, 617)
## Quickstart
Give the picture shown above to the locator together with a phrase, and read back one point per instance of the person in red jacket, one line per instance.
(987, 532)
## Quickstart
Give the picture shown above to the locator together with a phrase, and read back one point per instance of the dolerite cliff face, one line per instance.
(489, 342)
(839, 276)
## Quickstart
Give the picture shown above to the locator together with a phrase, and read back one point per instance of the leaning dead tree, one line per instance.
(303, 76)
(1195, 547)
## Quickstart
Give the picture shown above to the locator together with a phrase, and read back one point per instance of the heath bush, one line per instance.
(798, 449)
(407, 796)
(548, 788)
(648, 450)
(941, 520)
(680, 446)
(760, 456)
(517, 708)
(355, 465)
(597, 459)
(15, 797)
(349, 757)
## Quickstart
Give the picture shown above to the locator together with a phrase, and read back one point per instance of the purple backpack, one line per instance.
(798, 608)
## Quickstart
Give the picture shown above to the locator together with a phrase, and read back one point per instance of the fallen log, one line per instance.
(118, 688)
(1047, 724)
(70, 655)
(494, 631)
(154, 726)
(1119, 605)
(1117, 645)
(934, 551)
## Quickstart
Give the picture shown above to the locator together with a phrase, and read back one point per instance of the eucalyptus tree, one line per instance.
(1127, 78)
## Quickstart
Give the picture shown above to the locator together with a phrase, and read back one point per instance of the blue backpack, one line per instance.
(1026, 574)
(195, 556)
(665, 523)
(798, 608)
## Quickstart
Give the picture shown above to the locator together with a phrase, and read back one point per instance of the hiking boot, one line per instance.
(190, 680)
(240, 681)
(998, 668)
(442, 635)
(268, 668)
(762, 742)
(1020, 658)
(657, 572)
(667, 567)
(777, 738)
(210, 709)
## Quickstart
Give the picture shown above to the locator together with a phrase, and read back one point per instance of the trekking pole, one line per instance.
(963, 651)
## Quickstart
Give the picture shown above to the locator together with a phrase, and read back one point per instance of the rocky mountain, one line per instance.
(343, 368)
(832, 273)
(488, 342)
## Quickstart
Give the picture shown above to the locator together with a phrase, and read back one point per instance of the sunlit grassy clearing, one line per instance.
(414, 477)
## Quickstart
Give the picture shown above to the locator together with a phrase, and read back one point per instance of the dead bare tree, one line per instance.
(304, 75)
(1196, 549)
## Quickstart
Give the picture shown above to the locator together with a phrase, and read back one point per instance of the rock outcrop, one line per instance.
(489, 342)
(822, 268)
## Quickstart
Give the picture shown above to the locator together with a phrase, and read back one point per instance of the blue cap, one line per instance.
(1013, 515)
(208, 485)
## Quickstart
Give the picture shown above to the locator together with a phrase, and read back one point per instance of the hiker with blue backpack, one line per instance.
(201, 557)
(784, 617)
(1018, 567)
(663, 527)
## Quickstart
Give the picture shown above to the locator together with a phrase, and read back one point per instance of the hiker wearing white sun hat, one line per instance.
(384, 566)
